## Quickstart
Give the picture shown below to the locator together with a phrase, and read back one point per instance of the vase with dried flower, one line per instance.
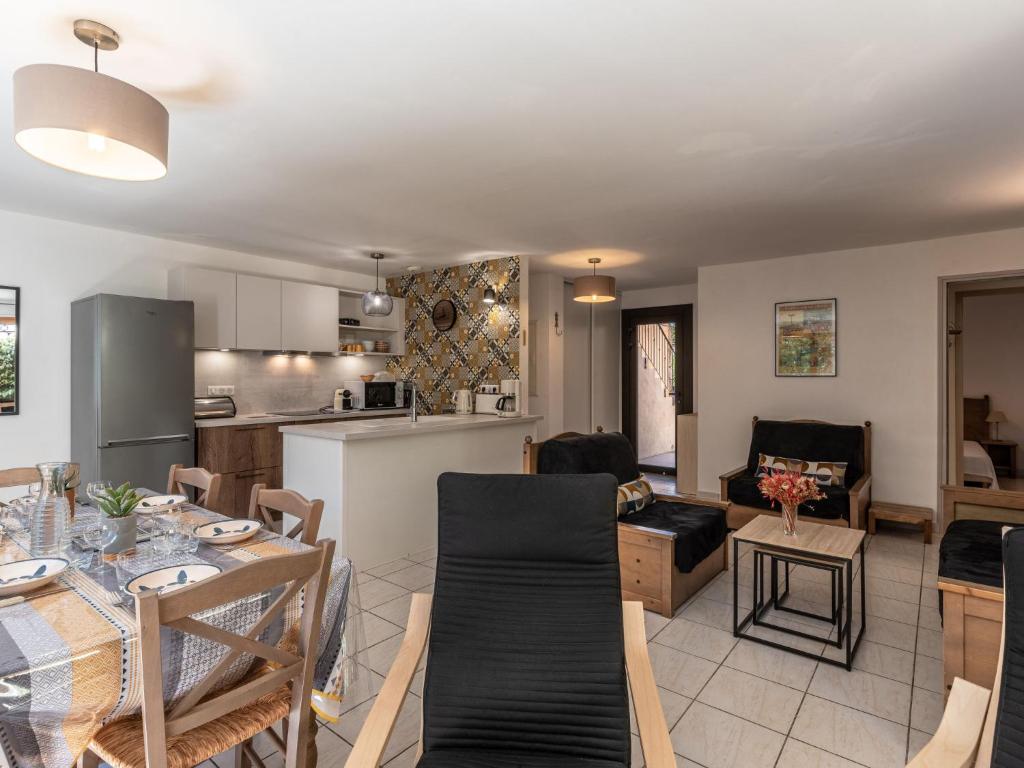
(790, 490)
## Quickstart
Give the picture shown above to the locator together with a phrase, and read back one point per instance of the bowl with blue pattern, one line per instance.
(171, 578)
(228, 531)
(25, 575)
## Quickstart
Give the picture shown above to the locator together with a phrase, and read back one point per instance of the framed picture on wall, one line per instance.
(805, 338)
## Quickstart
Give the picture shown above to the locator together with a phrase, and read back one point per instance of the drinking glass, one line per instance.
(98, 536)
(159, 536)
(182, 539)
(126, 565)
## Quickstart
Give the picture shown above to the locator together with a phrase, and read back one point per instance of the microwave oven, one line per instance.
(368, 395)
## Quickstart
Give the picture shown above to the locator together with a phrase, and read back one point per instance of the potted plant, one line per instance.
(790, 489)
(118, 505)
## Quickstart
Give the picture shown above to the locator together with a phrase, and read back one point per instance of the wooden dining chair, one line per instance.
(529, 640)
(10, 478)
(270, 504)
(206, 485)
(207, 721)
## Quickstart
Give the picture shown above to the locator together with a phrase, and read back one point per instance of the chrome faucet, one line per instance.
(412, 401)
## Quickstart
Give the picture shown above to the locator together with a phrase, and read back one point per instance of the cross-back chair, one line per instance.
(9, 478)
(265, 502)
(206, 485)
(529, 638)
(207, 721)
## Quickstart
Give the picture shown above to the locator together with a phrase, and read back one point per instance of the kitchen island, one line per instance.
(378, 477)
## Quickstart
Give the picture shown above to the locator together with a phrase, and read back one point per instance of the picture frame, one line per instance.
(10, 350)
(806, 339)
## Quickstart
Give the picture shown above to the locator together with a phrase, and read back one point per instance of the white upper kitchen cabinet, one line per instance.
(309, 317)
(213, 294)
(259, 313)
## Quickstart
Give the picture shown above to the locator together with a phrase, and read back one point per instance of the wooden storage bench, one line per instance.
(648, 568)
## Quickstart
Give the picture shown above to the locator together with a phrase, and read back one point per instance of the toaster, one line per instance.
(222, 407)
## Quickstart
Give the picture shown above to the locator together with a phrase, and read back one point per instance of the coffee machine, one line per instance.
(508, 405)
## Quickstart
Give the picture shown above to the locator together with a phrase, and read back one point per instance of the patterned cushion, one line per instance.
(634, 496)
(823, 472)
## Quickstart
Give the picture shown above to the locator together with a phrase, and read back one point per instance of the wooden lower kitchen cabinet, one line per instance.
(247, 454)
(236, 488)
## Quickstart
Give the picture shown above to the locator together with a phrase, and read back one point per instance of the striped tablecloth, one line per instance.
(69, 661)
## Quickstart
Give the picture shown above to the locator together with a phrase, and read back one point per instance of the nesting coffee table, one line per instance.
(826, 548)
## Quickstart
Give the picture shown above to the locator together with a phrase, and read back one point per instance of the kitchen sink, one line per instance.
(297, 412)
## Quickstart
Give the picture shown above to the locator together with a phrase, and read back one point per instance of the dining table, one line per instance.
(69, 660)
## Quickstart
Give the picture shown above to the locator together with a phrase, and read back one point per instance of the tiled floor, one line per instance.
(728, 703)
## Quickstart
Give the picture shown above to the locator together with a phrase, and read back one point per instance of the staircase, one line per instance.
(658, 344)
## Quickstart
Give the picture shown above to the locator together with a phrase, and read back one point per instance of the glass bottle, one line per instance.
(50, 518)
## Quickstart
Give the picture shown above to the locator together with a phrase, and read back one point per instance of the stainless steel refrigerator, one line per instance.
(132, 382)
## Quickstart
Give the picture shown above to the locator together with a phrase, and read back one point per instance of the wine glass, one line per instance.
(98, 536)
(97, 489)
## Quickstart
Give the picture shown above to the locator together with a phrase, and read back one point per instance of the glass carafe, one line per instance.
(50, 518)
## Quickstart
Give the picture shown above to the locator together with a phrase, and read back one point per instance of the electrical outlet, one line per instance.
(224, 389)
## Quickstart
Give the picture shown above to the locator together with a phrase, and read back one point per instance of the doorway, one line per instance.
(657, 381)
(984, 411)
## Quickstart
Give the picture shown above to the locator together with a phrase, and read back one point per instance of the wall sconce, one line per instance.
(489, 295)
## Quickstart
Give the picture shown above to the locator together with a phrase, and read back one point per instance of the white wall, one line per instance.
(888, 351)
(547, 400)
(664, 296)
(580, 415)
(56, 262)
(993, 357)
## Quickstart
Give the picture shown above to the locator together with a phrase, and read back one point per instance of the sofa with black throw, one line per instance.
(669, 546)
(838, 456)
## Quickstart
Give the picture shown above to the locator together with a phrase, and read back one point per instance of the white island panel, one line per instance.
(379, 480)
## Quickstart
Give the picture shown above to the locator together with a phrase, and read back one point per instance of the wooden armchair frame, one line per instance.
(376, 731)
(647, 555)
(206, 483)
(265, 501)
(860, 492)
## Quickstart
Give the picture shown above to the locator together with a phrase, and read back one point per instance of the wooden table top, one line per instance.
(811, 538)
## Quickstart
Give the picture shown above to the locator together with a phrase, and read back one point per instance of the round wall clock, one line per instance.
(444, 315)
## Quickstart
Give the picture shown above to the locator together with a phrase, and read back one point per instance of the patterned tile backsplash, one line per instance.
(482, 346)
(278, 382)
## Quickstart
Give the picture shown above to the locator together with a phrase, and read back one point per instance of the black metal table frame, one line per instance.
(841, 570)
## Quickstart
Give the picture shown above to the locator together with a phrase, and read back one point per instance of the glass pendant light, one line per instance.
(377, 302)
(595, 288)
(82, 121)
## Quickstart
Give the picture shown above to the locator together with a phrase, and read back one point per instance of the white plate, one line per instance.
(26, 575)
(227, 531)
(164, 580)
(160, 503)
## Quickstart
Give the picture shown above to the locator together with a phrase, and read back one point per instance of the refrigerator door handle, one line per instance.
(147, 440)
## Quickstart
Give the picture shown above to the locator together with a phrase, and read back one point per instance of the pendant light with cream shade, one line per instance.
(87, 122)
(595, 288)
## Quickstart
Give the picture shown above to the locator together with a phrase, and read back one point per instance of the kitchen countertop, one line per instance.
(379, 428)
(267, 418)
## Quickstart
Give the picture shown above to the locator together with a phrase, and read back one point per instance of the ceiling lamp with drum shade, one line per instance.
(87, 122)
(377, 302)
(595, 288)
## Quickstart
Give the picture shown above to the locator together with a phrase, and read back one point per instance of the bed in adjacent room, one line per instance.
(976, 464)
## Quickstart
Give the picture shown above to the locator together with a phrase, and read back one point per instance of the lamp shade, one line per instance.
(89, 123)
(995, 417)
(594, 289)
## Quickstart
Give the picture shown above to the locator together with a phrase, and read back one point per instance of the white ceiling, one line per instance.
(679, 133)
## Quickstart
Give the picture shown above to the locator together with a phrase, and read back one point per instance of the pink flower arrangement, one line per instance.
(790, 489)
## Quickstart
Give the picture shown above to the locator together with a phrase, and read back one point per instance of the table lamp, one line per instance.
(996, 417)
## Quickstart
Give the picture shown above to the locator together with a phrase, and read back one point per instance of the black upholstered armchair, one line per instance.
(529, 640)
(980, 728)
(845, 504)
